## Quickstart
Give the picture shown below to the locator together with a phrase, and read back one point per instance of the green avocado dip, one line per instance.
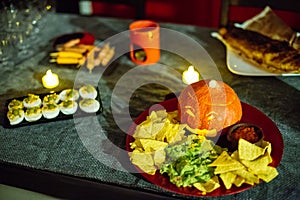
(187, 162)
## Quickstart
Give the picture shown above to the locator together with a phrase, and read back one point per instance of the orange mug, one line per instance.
(144, 42)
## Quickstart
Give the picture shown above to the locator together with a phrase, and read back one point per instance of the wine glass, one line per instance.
(9, 12)
(43, 8)
(21, 39)
(6, 49)
(16, 22)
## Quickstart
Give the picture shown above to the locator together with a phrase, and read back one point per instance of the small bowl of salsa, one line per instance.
(247, 131)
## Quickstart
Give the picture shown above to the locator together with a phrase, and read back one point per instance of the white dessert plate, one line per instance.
(237, 65)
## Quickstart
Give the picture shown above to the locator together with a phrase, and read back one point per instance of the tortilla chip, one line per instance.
(208, 186)
(238, 181)
(258, 164)
(268, 174)
(267, 146)
(149, 169)
(224, 163)
(158, 115)
(134, 145)
(170, 133)
(174, 133)
(146, 122)
(152, 126)
(224, 160)
(150, 145)
(143, 131)
(248, 176)
(139, 150)
(249, 182)
(207, 145)
(228, 178)
(249, 151)
(159, 157)
(235, 155)
(161, 135)
(157, 128)
(172, 115)
(152, 136)
(138, 158)
(144, 161)
(228, 168)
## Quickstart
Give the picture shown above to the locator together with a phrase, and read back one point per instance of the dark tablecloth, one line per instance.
(79, 148)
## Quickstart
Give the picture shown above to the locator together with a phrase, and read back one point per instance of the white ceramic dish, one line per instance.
(237, 65)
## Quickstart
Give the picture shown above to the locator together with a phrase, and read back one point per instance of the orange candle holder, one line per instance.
(144, 42)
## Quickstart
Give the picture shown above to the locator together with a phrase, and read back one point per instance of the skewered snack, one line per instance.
(69, 94)
(32, 101)
(106, 54)
(68, 107)
(33, 114)
(15, 115)
(72, 54)
(89, 105)
(68, 61)
(88, 92)
(66, 54)
(269, 54)
(15, 104)
(80, 54)
(50, 110)
(76, 49)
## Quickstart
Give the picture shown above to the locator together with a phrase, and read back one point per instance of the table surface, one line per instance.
(92, 149)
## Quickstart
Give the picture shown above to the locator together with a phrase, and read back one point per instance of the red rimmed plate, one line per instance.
(250, 115)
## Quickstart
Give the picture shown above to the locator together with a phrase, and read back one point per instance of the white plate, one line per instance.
(237, 65)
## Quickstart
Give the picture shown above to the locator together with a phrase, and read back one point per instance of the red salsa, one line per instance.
(247, 133)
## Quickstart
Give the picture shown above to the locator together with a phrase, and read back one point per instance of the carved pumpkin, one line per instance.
(209, 104)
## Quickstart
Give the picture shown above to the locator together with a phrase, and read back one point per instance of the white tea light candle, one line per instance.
(50, 80)
(190, 76)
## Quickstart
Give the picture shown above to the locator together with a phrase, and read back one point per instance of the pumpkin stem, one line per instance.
(213, 84)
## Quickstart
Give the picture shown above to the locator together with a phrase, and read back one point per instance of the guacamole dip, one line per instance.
(187, 162)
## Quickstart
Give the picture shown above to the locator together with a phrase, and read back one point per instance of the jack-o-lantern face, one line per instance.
(209, 104)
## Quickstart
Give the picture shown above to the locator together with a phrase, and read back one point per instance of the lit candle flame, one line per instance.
(190, 76)
(50, 80)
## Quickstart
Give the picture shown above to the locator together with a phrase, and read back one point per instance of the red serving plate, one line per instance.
(250, 115)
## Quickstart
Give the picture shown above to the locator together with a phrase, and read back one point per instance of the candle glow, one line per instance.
(190, 76)
(50, 80)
